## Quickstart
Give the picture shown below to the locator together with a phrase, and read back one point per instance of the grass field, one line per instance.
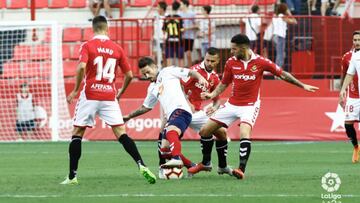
(277, 172)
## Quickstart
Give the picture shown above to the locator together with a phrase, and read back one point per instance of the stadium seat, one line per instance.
(72, 34)
(266, 2)
(75, 52)
(40, 4)
(66, 52)
(32, 69)
(140, 48)
(69, 68)
(77, 4)
(140, 3)
(147, 33)
(40, 52)
(125, 46)
(203, 2)
(22, 52)
(11, 70)
(88, 34)
(17, 4)
(125, 33)
(58, 4)
(2, 3)
(223, 2)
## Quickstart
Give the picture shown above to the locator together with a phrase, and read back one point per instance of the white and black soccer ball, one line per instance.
(173, 173)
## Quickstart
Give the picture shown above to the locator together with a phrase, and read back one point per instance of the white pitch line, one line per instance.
(177, 195)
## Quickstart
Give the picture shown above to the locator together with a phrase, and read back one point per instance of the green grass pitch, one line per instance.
(276, 172)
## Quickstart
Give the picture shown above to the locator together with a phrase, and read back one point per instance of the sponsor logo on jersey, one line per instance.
(200, 86)
(245, 77)
(105, 50)
(236, 67)
(101, 87)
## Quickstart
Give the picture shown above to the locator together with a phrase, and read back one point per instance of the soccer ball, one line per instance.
(173, 173)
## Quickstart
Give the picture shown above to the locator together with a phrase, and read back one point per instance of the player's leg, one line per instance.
(221, 145)
(352, 112)
(351, 134)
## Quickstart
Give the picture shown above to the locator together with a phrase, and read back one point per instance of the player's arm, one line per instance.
(218, 90)
(286, 76)
(194, 74)
(138, 112)
(348, 78)
(216, 104)
(127, 80)
(79, 77)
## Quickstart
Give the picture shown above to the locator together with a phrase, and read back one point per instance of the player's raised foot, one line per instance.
(68, 181)
(173, 163)
(148, 175)
(355, 157)
(226, 170)
(200, 167)
(238, 173)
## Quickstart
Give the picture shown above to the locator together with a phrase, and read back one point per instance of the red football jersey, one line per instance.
(246, 78)
(353, 90)
(193, 89)
(102, 57)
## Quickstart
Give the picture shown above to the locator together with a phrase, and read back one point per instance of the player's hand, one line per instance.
(71, 96)
(126, 118)
(205, 95)
(119, 93)
(310, 88)
(209, 111)
(203, 81)
(342, 97)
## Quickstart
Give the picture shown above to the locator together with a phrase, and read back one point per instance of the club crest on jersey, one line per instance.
(254, 68)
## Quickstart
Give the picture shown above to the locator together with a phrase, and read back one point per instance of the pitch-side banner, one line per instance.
(285, 118)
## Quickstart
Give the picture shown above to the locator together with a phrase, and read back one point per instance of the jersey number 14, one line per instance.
(107, 71)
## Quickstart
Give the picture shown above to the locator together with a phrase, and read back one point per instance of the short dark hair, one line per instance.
(99, 23)
(163, 5)
(213, 51)
(175, 6)
(356, 32)
(240, 39)
(22, 85)
(255, 8)
(207, 9)
(185, 2)
(281, 9)
(145, 61)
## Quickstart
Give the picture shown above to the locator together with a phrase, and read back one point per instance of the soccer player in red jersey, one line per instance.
(99, 61)
(352, 107)
(244, 71)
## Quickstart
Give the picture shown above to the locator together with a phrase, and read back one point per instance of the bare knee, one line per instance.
(119, 131)
(79, 131)
(220, 134)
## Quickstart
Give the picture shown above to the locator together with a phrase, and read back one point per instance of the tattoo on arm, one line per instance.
(142, 110)
(219, 89)
(291, 79)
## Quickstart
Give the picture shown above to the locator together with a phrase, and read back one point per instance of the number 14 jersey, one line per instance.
(102, 57)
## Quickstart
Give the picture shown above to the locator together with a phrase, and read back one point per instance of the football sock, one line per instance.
(351, 133)
(162, 160)
(245, 149)
(130, 148)
(74, 154)
(175, 146)
(206, 148)
(221, 149)
(186, 161)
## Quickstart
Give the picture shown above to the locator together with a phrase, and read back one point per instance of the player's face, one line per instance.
(356, 42)
(239, 51)
(211, 61)
(149, 72)
(25, 89)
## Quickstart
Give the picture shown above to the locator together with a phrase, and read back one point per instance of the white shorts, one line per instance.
(229, 113)
(352, 109)
(86, 110)
(199, 119)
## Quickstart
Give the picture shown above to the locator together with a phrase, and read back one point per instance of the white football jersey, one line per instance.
(167, 89)
(354, 66)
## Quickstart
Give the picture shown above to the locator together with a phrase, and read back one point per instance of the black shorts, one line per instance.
(23, 126)
(188, 44)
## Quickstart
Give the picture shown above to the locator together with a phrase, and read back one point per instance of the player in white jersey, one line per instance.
(165, 87)
(354, 67)
(25, 114)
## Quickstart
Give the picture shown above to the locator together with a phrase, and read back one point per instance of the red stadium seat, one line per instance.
(66, 52)
(22, 52)
(147, 33)
(2, 3)
(69, 68)
(88, 34)
(32, 69)
(266, 2)
(11, 70)
(140, 48)
(126, 47)
(58, 4)
(223, 2)
(40, 4)
(17, 4)
(75, 52)
(77, 4)
(243, 2)
(140, 3)
(40, 52)
(203, 2)
(72, 34)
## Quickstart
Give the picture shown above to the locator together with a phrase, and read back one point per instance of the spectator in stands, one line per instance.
(158, 33)
(25, 112)
(280, 21)
(252, 28)
(294, 6)
(207, 28)
(189, 31)
(95, 6)
(173, 28)
(311, 6)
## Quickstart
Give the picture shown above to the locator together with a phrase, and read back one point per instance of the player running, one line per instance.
(244, 71)
(99, 61)
(352, 107)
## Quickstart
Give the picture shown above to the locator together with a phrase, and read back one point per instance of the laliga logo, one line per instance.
(331, 182)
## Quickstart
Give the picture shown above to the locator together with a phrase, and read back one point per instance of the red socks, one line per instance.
(175, 146)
